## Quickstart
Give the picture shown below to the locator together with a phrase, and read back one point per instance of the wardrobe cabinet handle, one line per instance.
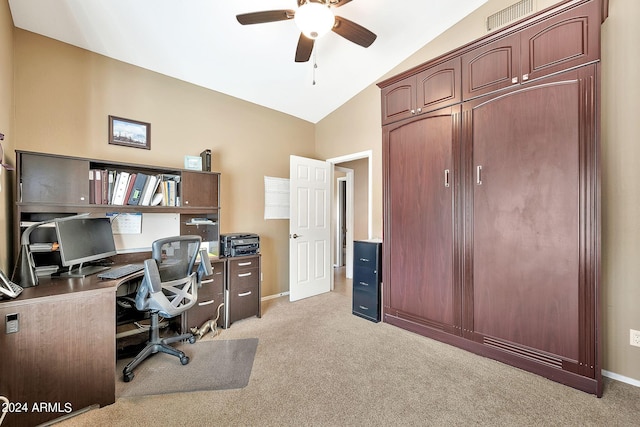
(244, 294)
(446, 177)
(479, 175)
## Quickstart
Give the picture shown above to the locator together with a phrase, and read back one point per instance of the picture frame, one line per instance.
(129, 133)
(193, 163)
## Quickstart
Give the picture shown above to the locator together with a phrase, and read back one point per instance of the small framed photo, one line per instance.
(193, 163)
(130, 133)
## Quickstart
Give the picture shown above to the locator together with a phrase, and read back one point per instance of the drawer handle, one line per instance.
(244, 274)
(206, 281)
(244, 294)
(364, 260)
(244, 264)
(362, 307)
(206, 302)
(364, 284)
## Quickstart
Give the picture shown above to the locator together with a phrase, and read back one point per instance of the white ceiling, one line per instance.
(201, 42)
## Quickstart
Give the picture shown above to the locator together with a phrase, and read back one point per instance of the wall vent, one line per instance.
(510, 14)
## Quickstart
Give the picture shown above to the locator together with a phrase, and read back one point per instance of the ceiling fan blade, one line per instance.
(266, 16)
(353, 32)
(339, 3)
(305, 46)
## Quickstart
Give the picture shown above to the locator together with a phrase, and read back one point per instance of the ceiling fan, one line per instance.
(314, 18)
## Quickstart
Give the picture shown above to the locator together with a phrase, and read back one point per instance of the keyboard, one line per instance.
(120, 271)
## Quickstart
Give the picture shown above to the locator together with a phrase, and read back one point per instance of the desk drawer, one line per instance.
(366, 304)
(243, 303)
(365, 279)
(365, 255)
(210, 296)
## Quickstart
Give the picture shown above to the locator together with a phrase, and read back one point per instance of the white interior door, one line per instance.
(309, 228)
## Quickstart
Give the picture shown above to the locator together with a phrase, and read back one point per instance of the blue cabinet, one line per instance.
(367, 276)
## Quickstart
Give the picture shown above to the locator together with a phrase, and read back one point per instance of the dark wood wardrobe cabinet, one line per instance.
(492, 204)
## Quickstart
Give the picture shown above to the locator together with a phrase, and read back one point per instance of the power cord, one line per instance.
(4, 409)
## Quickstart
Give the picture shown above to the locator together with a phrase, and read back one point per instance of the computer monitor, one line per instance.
(83, 240)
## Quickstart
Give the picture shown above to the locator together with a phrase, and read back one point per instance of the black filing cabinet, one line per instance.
(367, 276)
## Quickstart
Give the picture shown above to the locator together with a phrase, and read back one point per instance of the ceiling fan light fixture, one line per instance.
(314, 19)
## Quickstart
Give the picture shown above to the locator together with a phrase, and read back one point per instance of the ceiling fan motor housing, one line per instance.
(314, 19)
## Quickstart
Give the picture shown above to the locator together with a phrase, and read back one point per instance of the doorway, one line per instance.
(353, 208)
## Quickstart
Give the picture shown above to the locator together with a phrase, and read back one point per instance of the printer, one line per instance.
(239, 244)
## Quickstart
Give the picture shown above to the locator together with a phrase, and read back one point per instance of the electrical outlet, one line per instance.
(634, 337)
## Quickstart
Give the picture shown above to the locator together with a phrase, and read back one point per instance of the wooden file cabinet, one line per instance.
(366, 279)
(210, 296)
(243, 288)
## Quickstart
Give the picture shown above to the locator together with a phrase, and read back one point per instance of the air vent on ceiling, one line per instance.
(510, 14)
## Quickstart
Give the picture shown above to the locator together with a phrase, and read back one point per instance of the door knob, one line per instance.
(295, 236)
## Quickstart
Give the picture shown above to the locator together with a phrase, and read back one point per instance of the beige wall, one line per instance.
(6, 127)
(621, 186)
(356, 127)
(64, 96)
(64, 110)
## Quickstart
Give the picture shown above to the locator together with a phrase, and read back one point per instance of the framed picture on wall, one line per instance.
(130, 133)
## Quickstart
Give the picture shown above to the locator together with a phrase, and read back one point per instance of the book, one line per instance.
(138, 187)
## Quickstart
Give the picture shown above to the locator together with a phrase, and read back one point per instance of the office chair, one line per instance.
(169, 288)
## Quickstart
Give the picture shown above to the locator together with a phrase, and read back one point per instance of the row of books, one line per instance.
(110, 187)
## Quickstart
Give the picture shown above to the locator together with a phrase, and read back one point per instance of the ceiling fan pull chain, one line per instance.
(315, 65)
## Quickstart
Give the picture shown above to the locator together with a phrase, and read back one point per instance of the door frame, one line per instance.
(368, 154)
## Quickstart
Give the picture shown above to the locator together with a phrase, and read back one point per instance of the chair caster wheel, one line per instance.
(127, 377)
(184, 360)
(192, 340)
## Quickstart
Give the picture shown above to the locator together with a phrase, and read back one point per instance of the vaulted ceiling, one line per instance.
(202, 42)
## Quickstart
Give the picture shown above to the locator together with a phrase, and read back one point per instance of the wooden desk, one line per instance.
(62, 359)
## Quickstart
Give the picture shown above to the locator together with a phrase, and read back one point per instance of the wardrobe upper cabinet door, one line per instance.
(570, 39)
(491, 67)
(438, 86)
(398, 100)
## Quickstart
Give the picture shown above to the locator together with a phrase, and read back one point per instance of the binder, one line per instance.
(120, 188)
(95, 191)
(149, 189)
(130, 182)
(92, 191)
(138, 187)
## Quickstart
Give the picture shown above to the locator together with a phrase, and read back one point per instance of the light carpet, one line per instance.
(213, 365)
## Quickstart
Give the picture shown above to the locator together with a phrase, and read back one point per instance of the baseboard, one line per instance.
(268, 297)
(621, 378)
